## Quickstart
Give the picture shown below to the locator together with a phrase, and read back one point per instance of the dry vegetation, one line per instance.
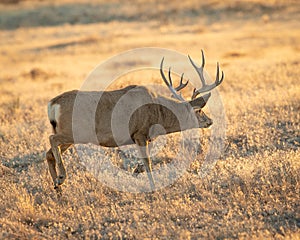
(48, 47)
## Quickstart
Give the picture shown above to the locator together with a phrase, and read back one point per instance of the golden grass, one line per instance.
(252, 192)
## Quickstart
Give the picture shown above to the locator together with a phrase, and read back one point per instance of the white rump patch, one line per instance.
(53, 112)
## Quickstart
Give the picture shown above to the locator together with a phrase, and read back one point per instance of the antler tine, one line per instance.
(203, 58)
(170, 79)
(195, 94)
(199, 70)
(162, 73)
(219, 81)
(205, 87)
(169, 83)
(181, 85)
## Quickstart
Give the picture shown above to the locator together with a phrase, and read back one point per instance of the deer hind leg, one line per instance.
(144, 152)
(59, 143)
(52, 163)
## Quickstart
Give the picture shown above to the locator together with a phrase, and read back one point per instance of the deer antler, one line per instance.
(205, 87)
(169, 82)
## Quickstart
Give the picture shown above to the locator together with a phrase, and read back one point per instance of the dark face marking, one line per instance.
(203, 120)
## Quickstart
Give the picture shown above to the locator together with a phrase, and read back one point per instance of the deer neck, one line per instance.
(176, 117)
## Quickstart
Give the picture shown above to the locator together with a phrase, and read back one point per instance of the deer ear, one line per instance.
(200, 102)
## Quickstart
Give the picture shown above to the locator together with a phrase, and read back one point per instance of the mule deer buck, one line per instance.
(152, 110)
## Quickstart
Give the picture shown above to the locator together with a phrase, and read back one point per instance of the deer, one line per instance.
(153, 110)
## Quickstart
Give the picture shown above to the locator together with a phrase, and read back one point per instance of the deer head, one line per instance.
(196, 102)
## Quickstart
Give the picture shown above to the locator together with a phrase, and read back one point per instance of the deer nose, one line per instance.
(209, 122)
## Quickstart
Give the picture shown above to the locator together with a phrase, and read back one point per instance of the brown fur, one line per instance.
(142, 119)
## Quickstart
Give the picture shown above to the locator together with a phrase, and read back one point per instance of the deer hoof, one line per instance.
(58, 191)
(137, 170)
(59, 181)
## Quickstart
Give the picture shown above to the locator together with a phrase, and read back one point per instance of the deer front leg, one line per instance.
(143, 147)
(59, 144)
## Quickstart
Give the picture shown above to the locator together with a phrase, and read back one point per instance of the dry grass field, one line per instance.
(253, 192)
